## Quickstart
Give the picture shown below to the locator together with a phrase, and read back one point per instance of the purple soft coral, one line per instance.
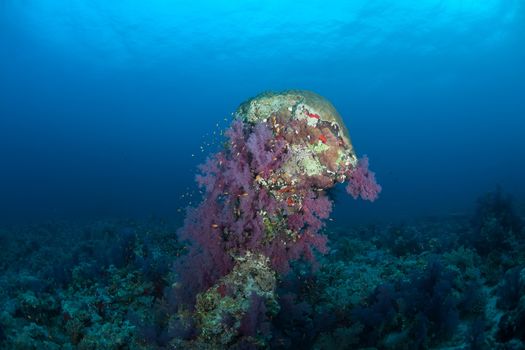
(229, 219)
(265, 194)
(362, 182)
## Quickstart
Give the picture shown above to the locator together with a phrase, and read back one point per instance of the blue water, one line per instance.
(103, 103)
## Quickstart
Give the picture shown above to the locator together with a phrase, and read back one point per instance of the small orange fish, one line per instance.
(322, 138)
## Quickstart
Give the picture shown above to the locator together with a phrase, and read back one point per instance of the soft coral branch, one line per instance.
(362, 182)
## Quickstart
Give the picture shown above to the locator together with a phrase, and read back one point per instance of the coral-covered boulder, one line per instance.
(318, 140)
(225, 312)
(264, 204)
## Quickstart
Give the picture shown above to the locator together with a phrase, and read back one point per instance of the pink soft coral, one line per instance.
(229, 220)
(362, 182)
(239, 214)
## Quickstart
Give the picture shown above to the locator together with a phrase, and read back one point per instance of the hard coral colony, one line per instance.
(264, 204)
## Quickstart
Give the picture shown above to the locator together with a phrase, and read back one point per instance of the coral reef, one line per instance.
(225, 312)
(511, 327)
(243, 277)
(78, 291)
(265, 193)
(107, 285)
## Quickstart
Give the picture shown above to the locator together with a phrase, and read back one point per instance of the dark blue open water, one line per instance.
(103, 102)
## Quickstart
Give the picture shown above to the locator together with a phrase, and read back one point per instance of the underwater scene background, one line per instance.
(107, 108)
